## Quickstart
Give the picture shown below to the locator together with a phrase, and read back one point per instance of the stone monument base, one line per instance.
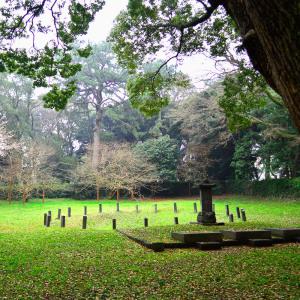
(207, 218)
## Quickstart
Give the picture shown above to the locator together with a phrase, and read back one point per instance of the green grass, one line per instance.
(98, 263)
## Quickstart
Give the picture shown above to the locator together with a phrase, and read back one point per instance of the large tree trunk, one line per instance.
(271, 35)
(96, 142)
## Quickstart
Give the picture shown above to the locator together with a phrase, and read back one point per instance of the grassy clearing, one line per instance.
(98, 263)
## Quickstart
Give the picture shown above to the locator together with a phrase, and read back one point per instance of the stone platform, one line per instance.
(285, 233)
(245, 235)
(195, 237)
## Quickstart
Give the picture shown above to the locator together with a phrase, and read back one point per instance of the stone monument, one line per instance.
(207, 216)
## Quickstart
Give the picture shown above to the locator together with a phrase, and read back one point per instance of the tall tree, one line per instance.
(267, 30)
(101, 83)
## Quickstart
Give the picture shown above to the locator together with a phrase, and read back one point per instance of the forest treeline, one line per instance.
(234, 129)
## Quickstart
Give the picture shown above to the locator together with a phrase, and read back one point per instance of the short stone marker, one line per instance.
(85, 210)
(195, 207)
(231, 218)
(286, 233)
(84, 222)
(69, 212)
(118, 206)
(227, 210)
(48, 222)
(63, 221)
(245, 235)
(175, 208)
(155, 208)
(146, 222)
(238, 212)
(49, 213)
(45, 219)
(114, 224)
(195, 237)
(244, 219)
(100, 208)
(58, 214)
(136, 208)
(176, 221)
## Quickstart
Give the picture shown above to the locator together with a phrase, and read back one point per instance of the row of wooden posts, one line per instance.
(47, 216)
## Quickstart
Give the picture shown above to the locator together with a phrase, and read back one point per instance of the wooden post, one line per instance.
(100, 208)
(58, 214)
(176, 220)
(227, 210)
(118, 206)
(84, 222)
(63, 221)
(114, 223)
(136, 208)
(155, 208)
(146, 222)
(195, 207)
(238, 213)
(45, 219)
(231, 218)
(175, 208)
(243, 215)
(85, 210)
(69, 212)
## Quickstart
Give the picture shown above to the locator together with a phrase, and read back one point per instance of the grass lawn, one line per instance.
(98, 263)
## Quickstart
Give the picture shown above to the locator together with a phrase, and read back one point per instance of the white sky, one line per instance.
(198, 67)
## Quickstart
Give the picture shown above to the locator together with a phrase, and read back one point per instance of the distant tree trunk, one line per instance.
(43, 195)
(10, 189)
(118, 194)
(98, 192)
(96, 141)
(268, 167)
(270, 32)
(131, 195)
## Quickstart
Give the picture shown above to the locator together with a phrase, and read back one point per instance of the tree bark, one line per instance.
(96, 141)
(271, 35)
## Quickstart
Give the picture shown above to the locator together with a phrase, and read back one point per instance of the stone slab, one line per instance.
(244, 235)
(209, 245)
(279, 240)
(231, 243)
(285, 233)
(194, 237)
(260, 242)
(208, 224)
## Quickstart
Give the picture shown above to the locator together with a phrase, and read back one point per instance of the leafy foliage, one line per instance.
(52, 27)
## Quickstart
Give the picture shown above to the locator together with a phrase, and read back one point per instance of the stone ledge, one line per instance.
(244, 235)
(260, 242)
(209, 245)
(194, 237)
(285, 233)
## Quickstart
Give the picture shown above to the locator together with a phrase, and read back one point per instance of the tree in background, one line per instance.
(101, 83)
(51, 27)
(119, 168)
(203, 128)
(163, 152)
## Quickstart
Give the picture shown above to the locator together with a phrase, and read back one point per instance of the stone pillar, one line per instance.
(207, 215)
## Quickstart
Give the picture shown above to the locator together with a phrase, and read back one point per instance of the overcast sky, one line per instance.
(198, 67)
